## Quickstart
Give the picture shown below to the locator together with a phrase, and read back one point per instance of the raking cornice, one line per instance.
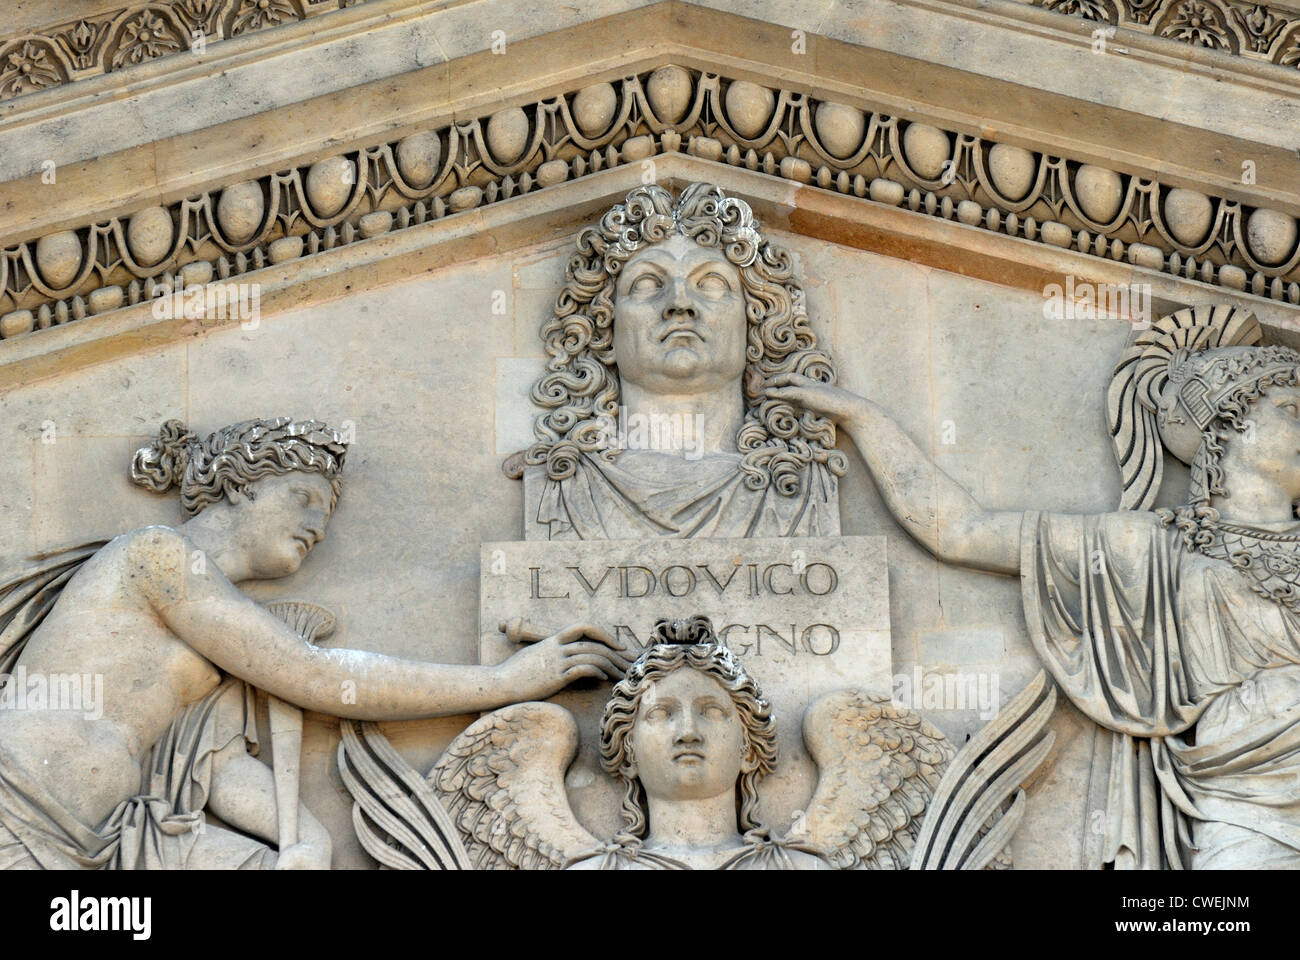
(895, 148)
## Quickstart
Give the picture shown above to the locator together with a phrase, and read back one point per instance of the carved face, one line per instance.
(688, 742)
(1273, 452)
(285, 517)
(679, 319)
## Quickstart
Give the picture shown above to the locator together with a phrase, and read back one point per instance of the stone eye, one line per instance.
(714, 283)
(647, 283)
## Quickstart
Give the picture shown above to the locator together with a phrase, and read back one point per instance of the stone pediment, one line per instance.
(948, 173)
(402, 188)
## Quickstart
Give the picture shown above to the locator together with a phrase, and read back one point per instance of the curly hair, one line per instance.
(1195, 520)
(233, 458)
(657, 661)
(580, 390)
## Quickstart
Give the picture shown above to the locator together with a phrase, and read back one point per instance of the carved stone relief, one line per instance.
(1004, 188)
(1173, 629)
(689, 735)
(734, 446)
(676, 309)
(806, 616)
(675, 313)
(1254, 30)
(122, 38)
(155, 612)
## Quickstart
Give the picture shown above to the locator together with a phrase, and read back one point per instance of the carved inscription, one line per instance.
(773, 600)
(679, 580)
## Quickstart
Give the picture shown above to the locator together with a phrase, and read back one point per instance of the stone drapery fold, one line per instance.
(1196, 675)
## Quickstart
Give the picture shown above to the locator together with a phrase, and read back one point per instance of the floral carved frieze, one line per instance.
(137, 34)
(301, 211)
(1251, 30)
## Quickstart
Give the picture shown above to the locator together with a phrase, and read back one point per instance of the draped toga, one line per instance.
(160, 826)
(1197, 674)
(642, 494)
(156, 829)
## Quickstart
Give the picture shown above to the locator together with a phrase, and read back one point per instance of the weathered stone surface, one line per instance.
(367, 182)
(803, 612)
(799, 634)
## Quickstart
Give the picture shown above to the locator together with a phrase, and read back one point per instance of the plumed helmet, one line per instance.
(1170, 386)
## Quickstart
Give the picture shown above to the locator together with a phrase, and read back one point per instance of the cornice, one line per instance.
(114, 37)
(554, 214)
(1020, 173)
(863, 158)
(162, 41)
(1129, 39)
(1267, 33)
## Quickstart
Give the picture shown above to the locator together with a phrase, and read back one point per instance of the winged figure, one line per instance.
(688, 736)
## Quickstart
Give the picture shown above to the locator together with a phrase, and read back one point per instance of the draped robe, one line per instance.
(157, 828)
(644, 494)
(1196, 673)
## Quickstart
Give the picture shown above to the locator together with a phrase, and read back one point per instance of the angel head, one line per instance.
(687, 723)
(681, 297)
(266, 487)
(1200, 384)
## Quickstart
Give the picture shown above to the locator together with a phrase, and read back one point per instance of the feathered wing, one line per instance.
(979, 803)
(398, 818)
(879, 766)
(502, 782)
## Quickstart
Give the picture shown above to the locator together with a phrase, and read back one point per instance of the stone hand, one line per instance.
(831, 401)
(549, 665)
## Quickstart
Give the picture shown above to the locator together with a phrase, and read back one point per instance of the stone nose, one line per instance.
(679, 302)
(687, 732)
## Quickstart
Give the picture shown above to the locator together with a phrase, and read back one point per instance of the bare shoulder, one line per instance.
(154, 560)
(147, 547)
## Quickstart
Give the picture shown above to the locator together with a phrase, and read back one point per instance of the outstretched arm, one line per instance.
(201, 606)
(936, 510)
